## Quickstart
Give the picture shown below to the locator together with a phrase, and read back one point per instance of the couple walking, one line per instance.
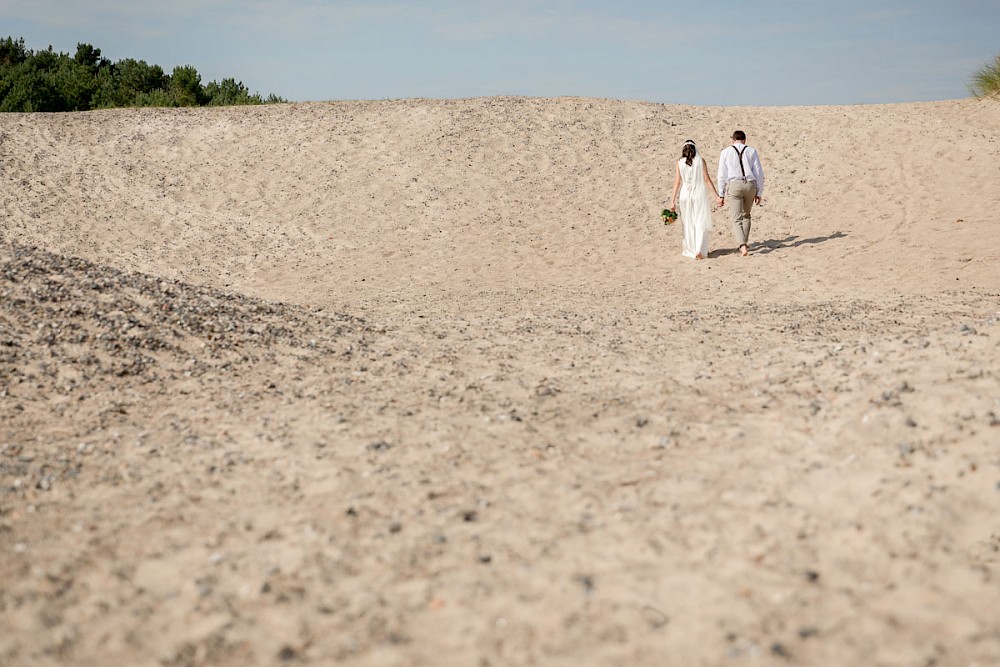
(741, 182)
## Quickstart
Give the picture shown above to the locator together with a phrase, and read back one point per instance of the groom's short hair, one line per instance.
(739, 135)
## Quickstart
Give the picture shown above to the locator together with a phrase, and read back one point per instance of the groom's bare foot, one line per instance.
(744, 250)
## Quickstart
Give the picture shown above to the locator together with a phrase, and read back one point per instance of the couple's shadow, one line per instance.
(769, 246)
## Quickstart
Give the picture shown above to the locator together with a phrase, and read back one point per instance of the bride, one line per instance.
(692, 181)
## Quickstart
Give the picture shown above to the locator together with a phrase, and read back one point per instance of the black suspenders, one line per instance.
(740, 153)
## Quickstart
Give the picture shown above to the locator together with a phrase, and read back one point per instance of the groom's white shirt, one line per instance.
(729, 167)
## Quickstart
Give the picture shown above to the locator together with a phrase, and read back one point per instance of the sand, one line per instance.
(428, 382)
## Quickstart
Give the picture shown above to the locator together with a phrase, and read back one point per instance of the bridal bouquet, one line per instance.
(668, 216)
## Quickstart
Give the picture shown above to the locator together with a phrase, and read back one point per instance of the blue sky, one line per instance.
(768, 52)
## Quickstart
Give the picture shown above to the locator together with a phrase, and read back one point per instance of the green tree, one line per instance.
(155, 98)
(32, 85)
(122, 84)
(89, 57)
(228, 93)
(186, 88)
(30, 90)
(50, 81)
(78, 80)
(12, 52)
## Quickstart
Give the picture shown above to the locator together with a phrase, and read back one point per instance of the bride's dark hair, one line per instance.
(689, 151)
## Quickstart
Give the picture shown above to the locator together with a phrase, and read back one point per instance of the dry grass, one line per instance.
(986, 80)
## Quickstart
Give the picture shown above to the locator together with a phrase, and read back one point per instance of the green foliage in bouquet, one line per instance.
(669, 217)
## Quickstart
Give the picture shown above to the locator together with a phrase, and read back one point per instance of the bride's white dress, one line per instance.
(695, 208)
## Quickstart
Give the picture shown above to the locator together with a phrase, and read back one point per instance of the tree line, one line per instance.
(50, 81)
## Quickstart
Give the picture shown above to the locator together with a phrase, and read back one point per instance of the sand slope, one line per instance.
(428, 383)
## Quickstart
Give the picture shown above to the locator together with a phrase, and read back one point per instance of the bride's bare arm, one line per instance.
(708, 181)
(677, 186)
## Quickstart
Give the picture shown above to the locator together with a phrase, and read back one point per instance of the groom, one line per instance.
(741, 182)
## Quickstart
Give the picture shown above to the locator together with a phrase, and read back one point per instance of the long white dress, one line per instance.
(695, 207)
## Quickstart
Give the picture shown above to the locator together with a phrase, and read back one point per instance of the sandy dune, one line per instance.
(428, 383)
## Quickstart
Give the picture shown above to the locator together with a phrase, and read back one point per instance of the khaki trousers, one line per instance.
(739, 199)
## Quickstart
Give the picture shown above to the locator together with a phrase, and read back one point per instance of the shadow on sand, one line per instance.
(765, 247)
